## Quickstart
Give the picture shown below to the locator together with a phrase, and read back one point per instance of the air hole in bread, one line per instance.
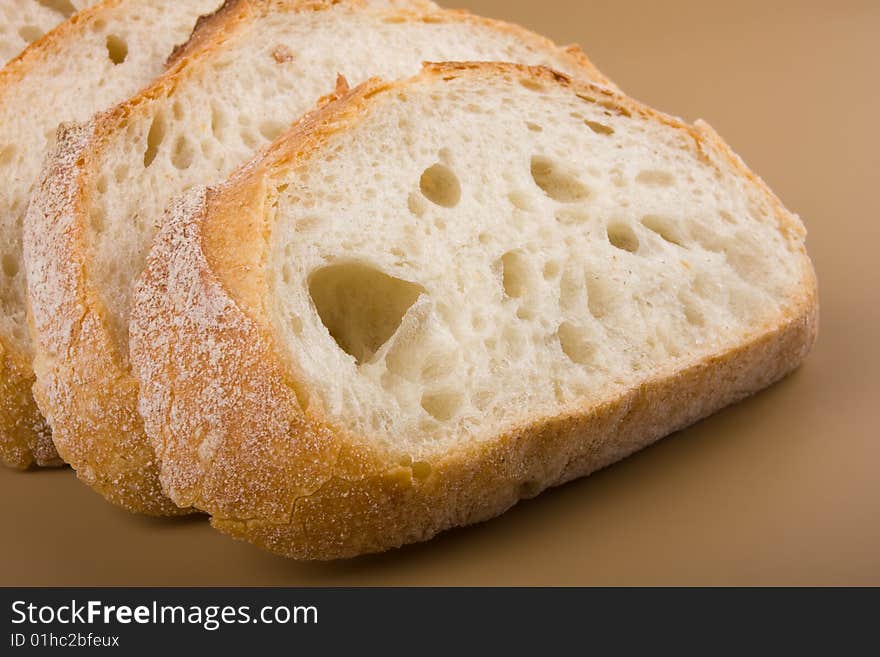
(623, 237)
(745, 260)
(600, 296)
(296, 325)
(63, 7)
(29, 33)
(525, 314)
(443, 405)
(96, 220)
(520, 200)
(516, 274)
(575, 344)
(250, 139)
(557, 181)
(436, 366)
(9, 265)
(360, 306)
(117, 48)
(706, 237)
(534, 127)
(655, 178)
(183, 154)
(727, 217)
(271, 129)
(531, 85)
(416, 204)
(440, 185)
(120, 173)
(218, 121)
(571, 216)
(155, 137)
(599, 128)
(7, 154)
(692, 312)
(551, 270)
(664, 227)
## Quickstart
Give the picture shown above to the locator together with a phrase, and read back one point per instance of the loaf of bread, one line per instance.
(246, 74)
(99, 57)
(433, 298)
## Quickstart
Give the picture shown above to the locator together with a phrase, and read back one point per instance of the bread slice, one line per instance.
(247, 73)
(99, 57)
(24, 21)
(436, 297)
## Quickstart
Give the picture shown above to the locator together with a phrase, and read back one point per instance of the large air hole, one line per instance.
(516, 274)
(440, 185)
(29, 33)
(557, 181)
(664, 227)
(183, 154)
(63, 7)
(154, 138)
(623, 237)
(361, 306)
(442, 405)
(575, 344)
(117, 48)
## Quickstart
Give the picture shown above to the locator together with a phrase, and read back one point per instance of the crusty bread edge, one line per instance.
(284, 478)
(82, 380)
(74, 361)
(25, 437)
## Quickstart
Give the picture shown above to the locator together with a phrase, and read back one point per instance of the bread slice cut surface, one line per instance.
(99, 57)
(24, 21)
(247, 73)
(435, 297)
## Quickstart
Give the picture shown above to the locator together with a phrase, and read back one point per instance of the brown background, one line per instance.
(781, 489)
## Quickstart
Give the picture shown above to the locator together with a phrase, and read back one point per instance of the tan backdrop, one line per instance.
(781, 489)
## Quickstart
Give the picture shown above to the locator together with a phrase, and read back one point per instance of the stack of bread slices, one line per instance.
(344, 274)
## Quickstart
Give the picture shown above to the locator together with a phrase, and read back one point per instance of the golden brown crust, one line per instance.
(84, 382)
(232, 424)
(88, 403)
(25, 437)
(210, 29)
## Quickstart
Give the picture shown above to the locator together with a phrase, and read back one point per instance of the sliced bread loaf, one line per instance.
(24, 21)
(100, 56)
(434, 298)
(247, 73)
